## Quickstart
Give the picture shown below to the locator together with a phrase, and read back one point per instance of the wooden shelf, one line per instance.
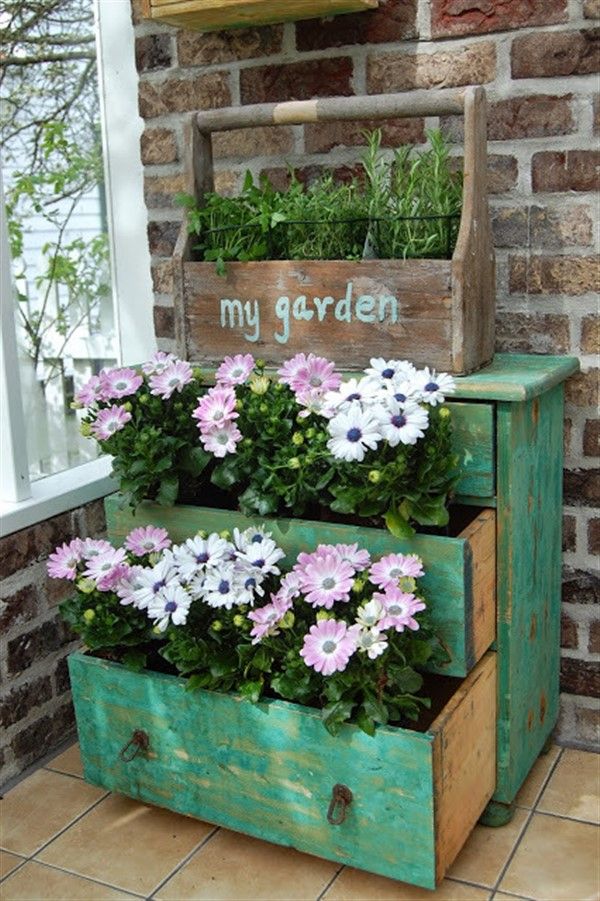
(212, 15)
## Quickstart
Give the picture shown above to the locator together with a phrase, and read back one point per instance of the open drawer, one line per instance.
(269, 769)
(460, 572)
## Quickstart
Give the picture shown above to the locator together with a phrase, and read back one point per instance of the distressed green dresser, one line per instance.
(494, 589)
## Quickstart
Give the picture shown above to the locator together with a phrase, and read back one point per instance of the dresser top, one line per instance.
(516, 377)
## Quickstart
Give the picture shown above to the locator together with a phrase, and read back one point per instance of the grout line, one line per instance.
(68, 826)
(501, 875)
(563, 816)
(512, 894)
(330, 883)
(18, 867)
(62, 773)
(183, 862)
(470, 882)
(53, 866)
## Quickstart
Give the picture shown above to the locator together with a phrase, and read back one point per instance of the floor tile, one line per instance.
(557, 859)
(40, 806)
(68, 762)
(127, 844)
(574, 788)
(34, 881)
(356, 885)
(502, 896)
(531, 788)
(8, 862)
(487, 850)
(234, 866)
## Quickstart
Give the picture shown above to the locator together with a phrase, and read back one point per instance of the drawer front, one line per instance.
(474, 442)
(459, 580)
(269, 769)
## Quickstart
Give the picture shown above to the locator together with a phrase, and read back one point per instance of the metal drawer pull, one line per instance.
(139, 741)
(341, 798)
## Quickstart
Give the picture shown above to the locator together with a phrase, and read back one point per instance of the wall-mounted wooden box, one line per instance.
(212, 15)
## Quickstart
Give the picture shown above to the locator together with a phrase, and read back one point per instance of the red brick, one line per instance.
(158, 146)
(324, 136)
(571, 170)
(591, 9)
(554, 53)
(42, 640)
(160, 191)
(580, 587)
(246, 143)
(510, 226)
(393, 20)
(569, 540)
(215, 47)
(164, 322)
(530, 117)
(502, 173)
(532, 333)
(591, 438)
(590, 334)
(594, 638)
(22, 700)
(57, 591)
(400, 71)
(18, 607)
(579, 677)
(593, 536)
(177, 95)
(137, 11)
(280, 177)
(162, 277)
(162, 237)
(582, 389)
(22, 548)
(554, 275)
(153, 51)
(450, 17)
(581, 487)
(568, 632)
(564, 227)
(297, 81)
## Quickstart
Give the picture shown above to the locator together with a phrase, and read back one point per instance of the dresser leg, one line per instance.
(497, 814)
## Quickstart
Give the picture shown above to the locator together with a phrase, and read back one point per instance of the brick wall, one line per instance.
(36, 714)
(536, 59)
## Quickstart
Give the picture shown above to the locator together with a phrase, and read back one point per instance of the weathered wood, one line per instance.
(530, 455)
(516, 377)
(269, 769)
(474, 441)
(434, 312)
(459, 571)
(210, 15)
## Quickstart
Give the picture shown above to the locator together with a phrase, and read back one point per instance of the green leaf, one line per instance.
(226, 474)
(135, 660)
(167, 493)
(194, 460)
(397, 525)
(251, 690)
(198, 681)
(365, 722)
(377, 710)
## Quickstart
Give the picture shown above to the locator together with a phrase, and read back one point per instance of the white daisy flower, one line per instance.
(383, 371)
(403, 424)
(363, 390)
(372, 642)
(402, 391)
(433, 386)
(222, 586)
(253, 535)
(170, 605)
(197, 554)
(369, 615)
(152, 581)
(263, 556)
(352, 433)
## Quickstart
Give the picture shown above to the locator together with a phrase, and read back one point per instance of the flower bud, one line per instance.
(358, 585)
(279, 386)
(288, 620)
(197, 373)
(260, 364)
(86, 429)
(128, 406)
(217, 625)
(239, 404)
(375, 476)
(202, 533)
(156, 631)
(247, 442)
(310, 433)
(89, 615)
(239, 620)
(143, 398)
(264, 409)
(294, 463)
(226, 534)
(297, 439)
(324, 614)
(407, 584)
(259, 384)
(444, 413)
(86, 586)
(154, 558)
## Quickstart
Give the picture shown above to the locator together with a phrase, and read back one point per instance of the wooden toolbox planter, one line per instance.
(270, 769)
(438, 313)
(460, 573)
(210, 15)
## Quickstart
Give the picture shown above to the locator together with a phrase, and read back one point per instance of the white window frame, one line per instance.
(22, 502)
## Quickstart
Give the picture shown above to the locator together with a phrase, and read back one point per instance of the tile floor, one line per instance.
(63, 839)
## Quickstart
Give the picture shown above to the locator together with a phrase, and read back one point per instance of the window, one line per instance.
(100, 314)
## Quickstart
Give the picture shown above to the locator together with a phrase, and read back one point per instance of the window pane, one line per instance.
(53, 181)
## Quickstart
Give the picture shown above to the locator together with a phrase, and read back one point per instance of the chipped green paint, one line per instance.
(474, 442)
(266, 769)
(516, 377)
(448, 562)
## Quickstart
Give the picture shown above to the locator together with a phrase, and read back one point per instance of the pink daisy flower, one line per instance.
(393, 567)
(235, 370)
(216, 409)
(91, 392)
(62, 563)
(400, 608)
(173, 377)
(329, 645)
(107, 569)
(147, 540)
(158, 362)
(118, 383)
(221, 441)
(266, 619)
(327, 580)
(289, 588)
(129, 584)
(317, 374)
(290, 369)
(109, 421)
(314, 401)
(92, 547)
(350, 553)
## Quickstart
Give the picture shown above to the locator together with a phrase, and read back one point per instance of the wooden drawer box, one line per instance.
(269, 769)
(460, 580)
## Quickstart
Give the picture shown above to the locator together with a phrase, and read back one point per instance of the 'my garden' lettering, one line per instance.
(245, 315)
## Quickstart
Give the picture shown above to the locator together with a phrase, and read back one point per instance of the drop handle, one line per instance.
(139, 741)
(341, 798)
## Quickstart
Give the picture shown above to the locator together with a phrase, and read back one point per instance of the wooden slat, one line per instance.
(481, 539)
(516, 377)
(449, 562)
(475, 443)
(208, 15)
